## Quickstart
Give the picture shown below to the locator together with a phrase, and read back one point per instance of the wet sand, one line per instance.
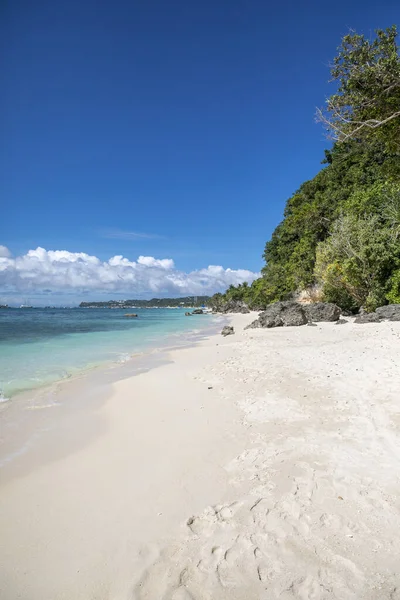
(261, 465)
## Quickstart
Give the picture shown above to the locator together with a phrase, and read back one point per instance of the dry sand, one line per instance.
(264, 465)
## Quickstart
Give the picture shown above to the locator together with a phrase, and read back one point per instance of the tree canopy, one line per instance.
(340, 236)
(367, 102)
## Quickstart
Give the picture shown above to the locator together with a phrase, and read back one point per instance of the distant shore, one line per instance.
(260, 465)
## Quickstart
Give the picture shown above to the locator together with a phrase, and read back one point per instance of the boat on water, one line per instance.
(26, 304)
(4, 306)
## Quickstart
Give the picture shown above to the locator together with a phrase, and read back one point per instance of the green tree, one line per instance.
(394, 292)
(356, 194)
(339, 188)
(367, 102)
(357, 261)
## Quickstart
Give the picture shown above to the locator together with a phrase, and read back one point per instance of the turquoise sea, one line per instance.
(41, 346)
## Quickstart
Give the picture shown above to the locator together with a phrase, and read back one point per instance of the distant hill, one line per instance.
(187, 301)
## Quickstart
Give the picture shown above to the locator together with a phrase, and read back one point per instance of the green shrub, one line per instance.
(394, 294)
(356, 261)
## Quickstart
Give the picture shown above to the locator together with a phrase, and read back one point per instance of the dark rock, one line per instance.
(341, 322)
(391, 312)
(367, 318)
(197, 311)
(281, 314)
(131, 315)
(254, 325)
(188, 314)
(227, 330)
(322, 311)
(244, 310)
(233, 306)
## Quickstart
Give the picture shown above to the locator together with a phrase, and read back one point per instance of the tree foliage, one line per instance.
(355, 263)
(354, 182)
(341, 230)
(367, 102)
(254, 295)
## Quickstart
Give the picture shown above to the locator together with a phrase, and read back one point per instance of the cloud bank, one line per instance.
(4, 252)
(43, 270)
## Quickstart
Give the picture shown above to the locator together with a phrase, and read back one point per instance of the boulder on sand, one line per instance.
(391, 312)
(341, 322)
(322, 311)
(227, 330)
(281, 314)
(233, 306)
(367, 318)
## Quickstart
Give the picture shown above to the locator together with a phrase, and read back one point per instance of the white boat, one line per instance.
(26, 305)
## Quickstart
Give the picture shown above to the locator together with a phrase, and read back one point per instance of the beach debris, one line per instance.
(322, 311)
(210, 387)
(131, 315)
(227, 330)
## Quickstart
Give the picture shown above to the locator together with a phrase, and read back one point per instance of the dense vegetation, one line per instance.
(340, 236)
(186, 302)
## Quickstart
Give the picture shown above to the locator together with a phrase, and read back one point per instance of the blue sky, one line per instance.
(189, 123)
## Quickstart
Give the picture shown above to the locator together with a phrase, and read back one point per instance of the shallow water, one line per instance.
(40, 346)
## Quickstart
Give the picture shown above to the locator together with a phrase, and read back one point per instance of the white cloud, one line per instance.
(4, 252)
(149, 261)
(60, 270)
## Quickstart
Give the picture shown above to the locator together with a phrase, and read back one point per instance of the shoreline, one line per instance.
(263, 464)
(75, 372)
(27, 412)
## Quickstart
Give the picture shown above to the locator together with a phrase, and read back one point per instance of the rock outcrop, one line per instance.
(227, 330)
(289, 313)
(390, 312)
(198, 311)
(233, 306)
(281, 314)
(367, 318)
(322, 311)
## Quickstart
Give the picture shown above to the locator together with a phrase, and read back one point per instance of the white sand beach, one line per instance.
(262, 465)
